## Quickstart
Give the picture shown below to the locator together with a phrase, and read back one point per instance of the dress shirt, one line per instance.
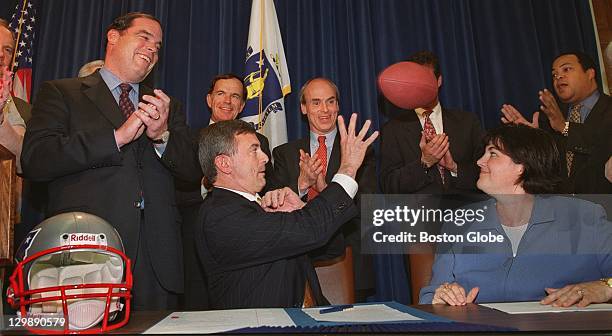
(113, 83)
(329, 142)
(587, 105)
(435, 117)
(12, 115)
(436, 120)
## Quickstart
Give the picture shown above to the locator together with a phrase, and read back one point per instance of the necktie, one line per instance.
(574, 117)
(258, 199)
(125, 104)
(430, 132)
(321, 153)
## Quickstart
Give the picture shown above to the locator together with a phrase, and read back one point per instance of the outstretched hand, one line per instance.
(353, 146)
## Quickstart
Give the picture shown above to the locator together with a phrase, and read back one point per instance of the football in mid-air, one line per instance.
(408, 85)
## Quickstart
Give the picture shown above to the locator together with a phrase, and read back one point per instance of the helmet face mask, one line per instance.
(72, 267)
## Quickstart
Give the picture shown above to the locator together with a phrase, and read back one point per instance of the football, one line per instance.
(408, 85)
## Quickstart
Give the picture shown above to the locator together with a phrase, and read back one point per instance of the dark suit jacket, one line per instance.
(401, 169)
(591, 144)
(254, 258)
(70, 143)
(286, 173)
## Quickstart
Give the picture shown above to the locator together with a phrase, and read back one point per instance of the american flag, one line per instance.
(22, 23)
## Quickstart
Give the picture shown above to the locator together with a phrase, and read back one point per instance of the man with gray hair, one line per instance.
(255, 250)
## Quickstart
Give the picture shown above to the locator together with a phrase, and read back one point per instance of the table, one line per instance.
(599, 322)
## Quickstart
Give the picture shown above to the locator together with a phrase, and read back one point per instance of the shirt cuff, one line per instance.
(453, 174)
(302, 193)
(348, 184)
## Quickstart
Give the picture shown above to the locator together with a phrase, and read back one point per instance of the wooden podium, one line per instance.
(8, 204)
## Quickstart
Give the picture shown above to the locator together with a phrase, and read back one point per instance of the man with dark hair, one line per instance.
(110, 146)
(12, 109)
(255, 251)
(581, 124)
(225, 98)
(307, 166)
(430, 150)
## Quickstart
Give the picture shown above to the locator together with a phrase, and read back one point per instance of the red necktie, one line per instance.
(430, 132)
(321, 153)
(125, 104)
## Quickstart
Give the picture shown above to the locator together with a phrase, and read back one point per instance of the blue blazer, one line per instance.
(567, 241)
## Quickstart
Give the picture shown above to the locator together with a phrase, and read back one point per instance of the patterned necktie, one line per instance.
(574, 117)
(321, 153)
(125, 104)
(430, 132)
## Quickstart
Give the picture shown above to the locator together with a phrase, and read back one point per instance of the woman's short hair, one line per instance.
(533, 148)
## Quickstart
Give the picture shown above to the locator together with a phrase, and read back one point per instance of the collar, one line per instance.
(437, 111)
(329, 137)
(590, 101)
(543, 212)
(112, 81)
(250, 197)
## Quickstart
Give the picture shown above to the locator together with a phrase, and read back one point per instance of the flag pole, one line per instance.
(262, 24)
(18, 34)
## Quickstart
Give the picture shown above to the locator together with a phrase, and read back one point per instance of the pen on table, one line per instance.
(334, 309)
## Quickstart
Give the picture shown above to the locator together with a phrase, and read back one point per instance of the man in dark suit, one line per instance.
(581, 125)
(307, 167)
(110, 146)
(430, 150)
(443, 162)
(255, 251)
(226, 99)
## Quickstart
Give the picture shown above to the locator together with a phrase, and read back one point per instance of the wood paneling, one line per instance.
(8, 203)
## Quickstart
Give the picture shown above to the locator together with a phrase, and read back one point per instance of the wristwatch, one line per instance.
(163, 139)
(607, 281)
(565, 129)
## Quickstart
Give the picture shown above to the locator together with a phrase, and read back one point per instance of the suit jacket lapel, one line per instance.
(96, 90)
(451, 127)
(334, 160)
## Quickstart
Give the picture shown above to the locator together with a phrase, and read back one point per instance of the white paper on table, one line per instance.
(216, 321)
(536, 307)
(362, 313)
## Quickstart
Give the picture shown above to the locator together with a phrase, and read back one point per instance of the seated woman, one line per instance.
(555, 249)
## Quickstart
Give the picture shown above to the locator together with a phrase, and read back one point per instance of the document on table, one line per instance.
(216, 321)
(536, 307)
(362, 313)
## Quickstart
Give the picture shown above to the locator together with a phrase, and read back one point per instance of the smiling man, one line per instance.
(256, 251)
(110, 146)
(307, 166)
(581, 124)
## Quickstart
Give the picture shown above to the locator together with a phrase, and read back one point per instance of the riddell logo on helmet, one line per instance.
(83, 239)
(75, 237)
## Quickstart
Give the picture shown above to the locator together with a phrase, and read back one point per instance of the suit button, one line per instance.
(138, 204)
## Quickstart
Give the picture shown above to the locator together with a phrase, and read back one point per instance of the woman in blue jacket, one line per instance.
(556, 250)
